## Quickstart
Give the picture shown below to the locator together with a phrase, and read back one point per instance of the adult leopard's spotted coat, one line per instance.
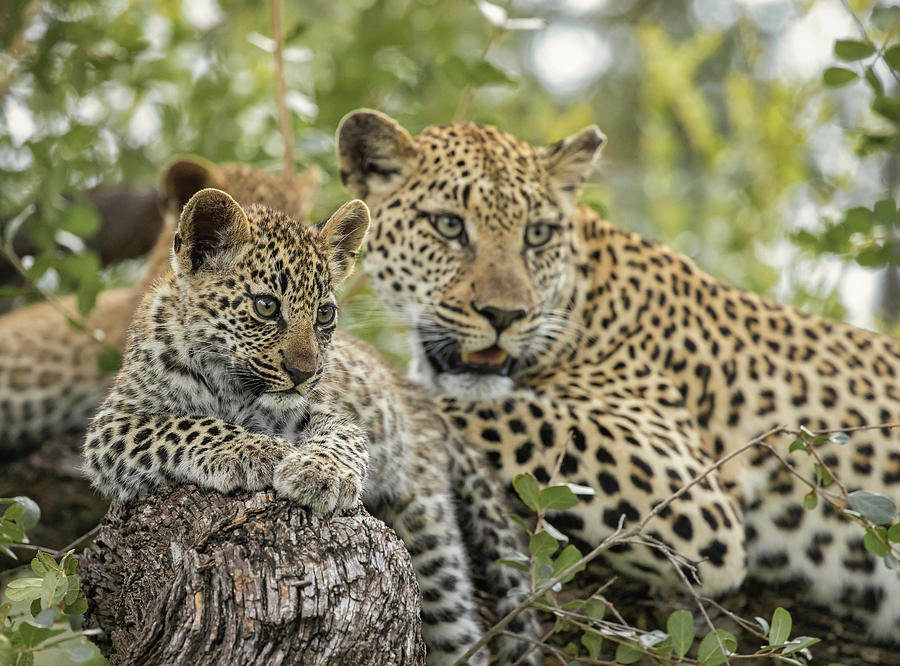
(541, 328)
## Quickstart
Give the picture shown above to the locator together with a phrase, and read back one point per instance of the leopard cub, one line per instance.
(234, 378)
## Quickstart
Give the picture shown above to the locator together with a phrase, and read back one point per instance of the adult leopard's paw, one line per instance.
(312, 478)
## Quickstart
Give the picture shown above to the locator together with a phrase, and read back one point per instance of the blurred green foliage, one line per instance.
(717, 138)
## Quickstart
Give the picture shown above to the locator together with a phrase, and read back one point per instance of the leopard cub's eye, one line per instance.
(326, 314)
(538, 234)
(266, 306)
(449, 226)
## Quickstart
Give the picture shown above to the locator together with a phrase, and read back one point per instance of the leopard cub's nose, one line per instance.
(297, 375)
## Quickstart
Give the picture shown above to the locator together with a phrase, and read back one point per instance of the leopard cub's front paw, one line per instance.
(316, 481)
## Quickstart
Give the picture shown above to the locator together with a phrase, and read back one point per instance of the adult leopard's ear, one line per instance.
(569, 162)
(342, 235)
(212, 226)
(184, 177)
(375, 153)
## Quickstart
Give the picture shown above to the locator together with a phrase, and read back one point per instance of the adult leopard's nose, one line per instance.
(499, 318)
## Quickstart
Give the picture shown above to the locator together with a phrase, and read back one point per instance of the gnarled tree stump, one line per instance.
(187, 576)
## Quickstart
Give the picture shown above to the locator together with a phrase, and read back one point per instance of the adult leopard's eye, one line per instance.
(325, 314)
(266, 306)
(449, 226)
(538, 234)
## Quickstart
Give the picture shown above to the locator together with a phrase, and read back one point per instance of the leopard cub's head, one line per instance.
(257, 288)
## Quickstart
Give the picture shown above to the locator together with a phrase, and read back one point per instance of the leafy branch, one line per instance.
(550, 568)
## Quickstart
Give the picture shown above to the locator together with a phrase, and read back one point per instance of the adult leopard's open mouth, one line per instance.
(445, 356)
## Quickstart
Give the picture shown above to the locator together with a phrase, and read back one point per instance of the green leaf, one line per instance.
(858, 220)
(80, 220)
(526, 486)
(593, 642)
(483, 73)
(627, 654)
(110, 360)
(889, 107)
(780, 629)
(680, 626)
(518, 520)
(569, 556)
(557, 498)
(873, 81)
(516, 563)
(894, 533)
(47, 560)
(13, 531)
(800, 643)
(710, 653)
(595, 609)
(885, 17)
(810, 500)
(32, 512)
(6, 650)
(552, 531)
(88, 290)
(892, 57)
(53, 589)
(73, 589)
(69, 563)
(823, 476)
(24, 589)
(31, 636)
(876, 507)
(45, 618)
(836, 77)
(798, 445)
(840, 438)
(885, 212)
(851, 49)
(78, 607)
(873, 544)
(14, 512)
(542, 545)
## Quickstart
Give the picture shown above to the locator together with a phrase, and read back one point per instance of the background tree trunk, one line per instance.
(193, 577)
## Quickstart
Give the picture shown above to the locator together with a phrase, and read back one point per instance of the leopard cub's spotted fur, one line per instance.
(234, 378)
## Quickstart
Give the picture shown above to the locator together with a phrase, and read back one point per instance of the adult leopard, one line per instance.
(541, 328)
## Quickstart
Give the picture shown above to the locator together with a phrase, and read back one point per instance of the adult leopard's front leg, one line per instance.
(483, 513)
(425, 522)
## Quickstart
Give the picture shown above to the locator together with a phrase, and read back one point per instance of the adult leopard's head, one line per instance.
(471, 240)
(258, 288)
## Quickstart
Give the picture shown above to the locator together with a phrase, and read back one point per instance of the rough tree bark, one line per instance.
(193, 577)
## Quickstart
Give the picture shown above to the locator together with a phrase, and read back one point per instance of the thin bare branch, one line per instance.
(284, 116)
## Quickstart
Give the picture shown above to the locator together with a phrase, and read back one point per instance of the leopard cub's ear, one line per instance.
(212, 223)
(342, 235)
